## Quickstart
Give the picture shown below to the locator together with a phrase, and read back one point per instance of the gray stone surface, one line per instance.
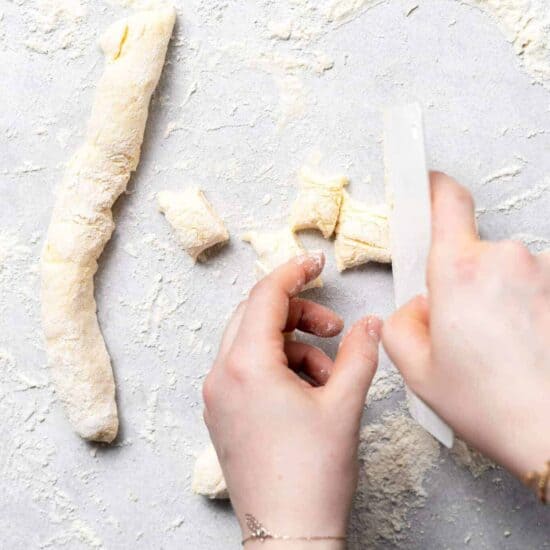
(218, 121)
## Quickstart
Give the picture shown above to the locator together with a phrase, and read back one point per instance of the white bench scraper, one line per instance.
(408, 193)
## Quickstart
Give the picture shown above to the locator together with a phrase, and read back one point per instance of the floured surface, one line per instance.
(249, 94)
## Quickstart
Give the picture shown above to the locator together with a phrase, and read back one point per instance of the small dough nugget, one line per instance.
(318, 202)
(274, 248)
(208, 477)
(362, 234)
(196, 224)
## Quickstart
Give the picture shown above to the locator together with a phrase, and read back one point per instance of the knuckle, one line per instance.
(234, 367)
(515, 249)
(390, 330)
(258, 289)
(465, 267)
(464, 196)
(517, 257)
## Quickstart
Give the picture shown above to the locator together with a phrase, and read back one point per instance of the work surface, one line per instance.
(251, 92)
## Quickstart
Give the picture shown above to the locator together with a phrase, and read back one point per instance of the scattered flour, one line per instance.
(292, 99)
(517, 201)
(385, 382)
(535, 242)
(396, 454)
(344, 10)
(504, 173)
(471, 459)
(25, 461)
(149, 429)
(52, 24)
(526, 25)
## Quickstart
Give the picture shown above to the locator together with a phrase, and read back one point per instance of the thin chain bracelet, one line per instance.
(259, 532)
(540, 483)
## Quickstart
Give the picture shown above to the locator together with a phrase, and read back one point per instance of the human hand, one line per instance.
(477, 350)
(288, 448)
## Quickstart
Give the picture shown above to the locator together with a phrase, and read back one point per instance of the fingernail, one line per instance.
(374, 328)
(313, 263)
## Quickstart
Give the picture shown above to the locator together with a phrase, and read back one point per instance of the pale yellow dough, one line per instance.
(195, 222)
(362, 234)
(318, 202)
(208, 477)
(274, 248)
(82, 221)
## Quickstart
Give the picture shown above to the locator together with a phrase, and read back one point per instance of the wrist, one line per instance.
(256, 534)
(527, 448)
(271, 544)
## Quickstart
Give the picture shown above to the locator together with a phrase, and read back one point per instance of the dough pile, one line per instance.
(195, 222)
(208, 478)
(362, 234)
(318, 202)
(274, 248)
(82, 221)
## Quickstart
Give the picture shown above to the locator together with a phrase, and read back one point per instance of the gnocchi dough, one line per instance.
(274, 248)
(362, 234)
(318, 203)
(208, 477)
(196, 224)
(82, 221)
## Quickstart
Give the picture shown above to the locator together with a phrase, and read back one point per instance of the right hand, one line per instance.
(477, 350)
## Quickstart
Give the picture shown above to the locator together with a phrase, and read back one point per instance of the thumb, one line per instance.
(355, 364)
(406, 339)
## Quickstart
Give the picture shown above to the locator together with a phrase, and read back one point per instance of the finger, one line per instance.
(266, 315)
(309, 360)
(544, 258)
(406, 339)
(356, 364)
(231, 329)
(453, 215)
(313, 318)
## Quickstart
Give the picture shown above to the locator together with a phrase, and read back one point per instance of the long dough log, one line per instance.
(82, 220)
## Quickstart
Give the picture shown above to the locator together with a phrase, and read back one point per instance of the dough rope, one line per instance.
(362, 234)
(318, 202)
(195, 222)
(82, 222)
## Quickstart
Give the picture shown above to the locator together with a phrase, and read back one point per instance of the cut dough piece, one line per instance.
(274, 248)
(196, 224)
(82, 220)
(362, 234)
(208, 477)
(318, 203)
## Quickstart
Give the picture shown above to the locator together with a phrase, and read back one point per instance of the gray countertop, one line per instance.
(239, 109)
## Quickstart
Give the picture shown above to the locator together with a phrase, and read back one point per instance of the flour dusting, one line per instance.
(396, 455)
(471, 459)
(526, 25)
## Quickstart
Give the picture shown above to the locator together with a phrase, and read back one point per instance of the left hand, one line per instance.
(288, 448)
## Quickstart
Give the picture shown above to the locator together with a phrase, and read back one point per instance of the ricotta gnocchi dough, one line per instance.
(318, 202)
(82, 221)
(362, 234)
(274, 248)
(195, 222)
(208, 477)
